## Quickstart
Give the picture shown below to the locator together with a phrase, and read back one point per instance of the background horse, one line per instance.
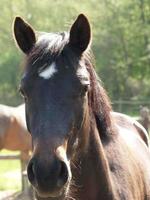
(81, 149)
(145, 117)
(13, 131)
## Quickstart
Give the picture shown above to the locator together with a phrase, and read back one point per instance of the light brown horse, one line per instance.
(81, 149)
(13, 132)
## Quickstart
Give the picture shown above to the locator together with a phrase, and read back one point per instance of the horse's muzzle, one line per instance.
(48, 177)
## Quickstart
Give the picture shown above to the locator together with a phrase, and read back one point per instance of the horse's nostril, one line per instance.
(31, 172)
(63, 175)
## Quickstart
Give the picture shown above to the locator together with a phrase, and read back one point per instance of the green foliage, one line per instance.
(121, 41)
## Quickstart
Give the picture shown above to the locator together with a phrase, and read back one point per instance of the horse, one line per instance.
(81, 148)
(145, 117)
(13, 131)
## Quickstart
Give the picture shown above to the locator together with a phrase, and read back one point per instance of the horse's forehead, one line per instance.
(46, 60)
(47, 70)
(52, 69)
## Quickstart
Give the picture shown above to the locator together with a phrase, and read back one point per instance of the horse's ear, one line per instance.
(24, 35)
(80, 34)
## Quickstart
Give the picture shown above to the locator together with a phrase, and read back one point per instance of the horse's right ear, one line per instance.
(24, 35)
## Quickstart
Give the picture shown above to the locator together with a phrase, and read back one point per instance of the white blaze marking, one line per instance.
(49, 71)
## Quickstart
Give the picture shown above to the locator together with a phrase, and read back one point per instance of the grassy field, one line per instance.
(10, 176)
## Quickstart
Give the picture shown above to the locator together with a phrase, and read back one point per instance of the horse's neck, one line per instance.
(96, 177)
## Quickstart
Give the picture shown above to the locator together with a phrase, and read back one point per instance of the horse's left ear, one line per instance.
(80, 34)
(24, 35)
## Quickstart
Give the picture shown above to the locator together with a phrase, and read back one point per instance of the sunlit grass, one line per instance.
(10, 176)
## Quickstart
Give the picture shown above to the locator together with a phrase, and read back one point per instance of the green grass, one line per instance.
(10, 176)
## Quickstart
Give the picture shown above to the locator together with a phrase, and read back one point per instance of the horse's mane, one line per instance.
(98, 99)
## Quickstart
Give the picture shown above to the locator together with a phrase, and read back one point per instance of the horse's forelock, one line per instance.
(47, 48)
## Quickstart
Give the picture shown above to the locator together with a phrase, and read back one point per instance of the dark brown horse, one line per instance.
(13, 131)
(81, 149)
(145, 117)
